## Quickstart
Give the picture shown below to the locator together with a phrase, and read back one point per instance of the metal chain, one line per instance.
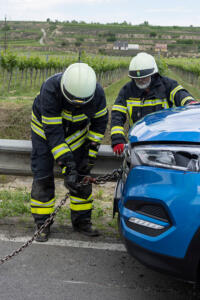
(116, 174)
(29, 242)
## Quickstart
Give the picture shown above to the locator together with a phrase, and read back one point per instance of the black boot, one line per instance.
(44, 235)
(86, 229)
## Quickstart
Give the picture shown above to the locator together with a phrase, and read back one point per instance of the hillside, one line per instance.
(98, 38)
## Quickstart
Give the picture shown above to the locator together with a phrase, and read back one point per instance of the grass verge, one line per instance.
(15, 202)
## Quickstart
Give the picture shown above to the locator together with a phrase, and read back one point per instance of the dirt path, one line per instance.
(43, 38)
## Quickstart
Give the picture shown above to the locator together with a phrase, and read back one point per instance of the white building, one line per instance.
(133, 47)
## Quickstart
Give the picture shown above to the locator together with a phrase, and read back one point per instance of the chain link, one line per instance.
(29, 242)
(116, 174)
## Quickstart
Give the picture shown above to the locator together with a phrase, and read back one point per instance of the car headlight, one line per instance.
(179, 157)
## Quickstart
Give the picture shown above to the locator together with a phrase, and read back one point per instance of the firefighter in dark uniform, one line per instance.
(69, 118)
(146, 93)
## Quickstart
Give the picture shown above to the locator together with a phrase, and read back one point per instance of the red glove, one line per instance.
(118, 149)
(193, 102)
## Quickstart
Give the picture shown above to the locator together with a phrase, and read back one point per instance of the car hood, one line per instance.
(180, 124)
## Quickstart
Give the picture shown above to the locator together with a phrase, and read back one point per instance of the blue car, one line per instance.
(158, 196)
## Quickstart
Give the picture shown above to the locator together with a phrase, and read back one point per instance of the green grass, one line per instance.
(193, 89)
(112, 90)
(63, 215)
(14, 203)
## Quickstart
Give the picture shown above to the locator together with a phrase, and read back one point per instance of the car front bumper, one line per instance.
(175, 199)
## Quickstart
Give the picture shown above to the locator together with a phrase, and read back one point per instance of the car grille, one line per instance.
(152, 210)
(149, 209)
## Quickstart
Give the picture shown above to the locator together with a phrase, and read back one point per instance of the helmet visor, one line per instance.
(141, 73)
(76, 100)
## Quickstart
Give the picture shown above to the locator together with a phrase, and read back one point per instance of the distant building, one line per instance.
(161, 47)
(123, 45)
(133, 47)
(120, 45)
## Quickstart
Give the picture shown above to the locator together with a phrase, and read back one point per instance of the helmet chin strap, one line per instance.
(143, 86)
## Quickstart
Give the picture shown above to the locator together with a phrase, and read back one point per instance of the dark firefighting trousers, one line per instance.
(43, 187)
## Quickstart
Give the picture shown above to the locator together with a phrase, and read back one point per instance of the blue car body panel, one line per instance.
(180, 124)
(178, 192)
(183, 205)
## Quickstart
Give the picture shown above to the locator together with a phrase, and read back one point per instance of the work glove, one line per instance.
(91, 145)
(118, 149)
(70, 173)
(71, 181)
(193, 102)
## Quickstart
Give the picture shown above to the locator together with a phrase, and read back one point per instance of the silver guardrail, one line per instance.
(15, 159)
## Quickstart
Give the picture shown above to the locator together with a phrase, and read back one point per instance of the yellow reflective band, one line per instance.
(120, 108)
(75, 135)
(42, 204)
(133, 103)
(78, 101)
(78, 143)
(36, 120)
(174, 91)
(38, 130)
(117, 130)
(150, 102)
(165, 103)
(78, 199)
(92, 153)
(95, 136)
(64, 170)
(78, 207)
(60, 150)
(83, 201)
(42, 211)
(186, 99)
(101, 113)
(77, 118)
(66, 115)
(52, 120)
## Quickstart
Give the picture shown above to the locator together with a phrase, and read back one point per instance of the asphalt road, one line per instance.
(82, 269)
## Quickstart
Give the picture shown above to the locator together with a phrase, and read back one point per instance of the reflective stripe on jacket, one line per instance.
(63, 125)
(136, 103)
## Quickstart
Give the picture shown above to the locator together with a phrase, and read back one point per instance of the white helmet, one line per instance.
(142, 65)
(78, 83)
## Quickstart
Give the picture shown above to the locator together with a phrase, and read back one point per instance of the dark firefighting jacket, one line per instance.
(64, 126)
(162, 93)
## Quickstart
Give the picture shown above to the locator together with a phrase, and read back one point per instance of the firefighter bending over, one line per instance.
(69, 118)
(146, 93)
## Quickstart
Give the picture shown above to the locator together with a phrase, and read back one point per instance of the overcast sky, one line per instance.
(156, 12)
